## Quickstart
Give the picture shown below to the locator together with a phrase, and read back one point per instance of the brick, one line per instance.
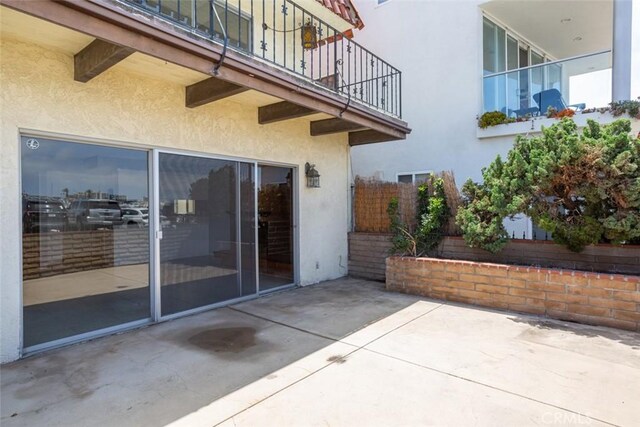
(589, 292)
(492, 271)
(574, 299)
(536, 302)
(475, 278)
(509, 299)
(610, 303)
(445, 289)
(632, 316)
(447, 275)
(506, 281)
(491, 289)
(534, 275)
(529, 293)
(460, 268)
(609, 283)
(549, 287)
(473, 294)
(554, 305)
(626, 296)
(461, 285)
(588, 310)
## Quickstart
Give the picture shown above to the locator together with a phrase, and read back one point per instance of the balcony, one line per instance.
(281, 33)
(582, 82)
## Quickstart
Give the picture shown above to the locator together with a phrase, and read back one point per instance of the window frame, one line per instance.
(413, 175)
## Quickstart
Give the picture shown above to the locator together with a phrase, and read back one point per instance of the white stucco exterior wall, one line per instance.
(438, 47)
(39, 93)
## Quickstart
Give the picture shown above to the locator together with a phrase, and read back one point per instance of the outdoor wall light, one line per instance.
(309, 36)
(313, 177)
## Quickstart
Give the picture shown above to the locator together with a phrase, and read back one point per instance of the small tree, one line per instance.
(584, 188)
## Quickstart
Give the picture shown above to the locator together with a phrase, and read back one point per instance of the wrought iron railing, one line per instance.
(286, 35)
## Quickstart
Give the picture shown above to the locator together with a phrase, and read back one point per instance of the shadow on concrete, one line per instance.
(158, 374)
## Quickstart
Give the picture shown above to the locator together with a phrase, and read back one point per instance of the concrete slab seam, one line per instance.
(321, 368)
(488, 385)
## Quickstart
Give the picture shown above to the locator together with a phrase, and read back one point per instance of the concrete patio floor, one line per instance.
(344, 352)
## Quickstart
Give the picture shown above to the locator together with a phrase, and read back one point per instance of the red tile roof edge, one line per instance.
(346, 10)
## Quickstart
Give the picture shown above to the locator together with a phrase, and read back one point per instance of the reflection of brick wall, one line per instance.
(592, 298)
(278, 236)
(50, 254)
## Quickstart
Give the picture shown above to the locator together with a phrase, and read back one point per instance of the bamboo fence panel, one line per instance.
(371, 200)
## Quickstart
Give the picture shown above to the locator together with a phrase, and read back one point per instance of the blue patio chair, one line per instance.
(552, 98)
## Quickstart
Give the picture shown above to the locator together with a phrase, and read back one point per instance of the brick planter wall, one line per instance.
(591, 298)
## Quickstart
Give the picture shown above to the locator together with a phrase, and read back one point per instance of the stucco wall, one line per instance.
(39, 93)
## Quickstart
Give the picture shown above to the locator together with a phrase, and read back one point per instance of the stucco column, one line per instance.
(621, 73)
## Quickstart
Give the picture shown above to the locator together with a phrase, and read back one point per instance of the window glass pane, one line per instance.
(512, 53)
(83, 270)
(421, 177)
(493, 47)
(536, 58)
(204, 205)
(407, 179)
(537, 77)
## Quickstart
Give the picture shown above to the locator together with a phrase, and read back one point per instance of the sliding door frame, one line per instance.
(156, 233)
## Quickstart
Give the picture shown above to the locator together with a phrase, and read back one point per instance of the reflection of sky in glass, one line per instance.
(178, 173)
(56, 165)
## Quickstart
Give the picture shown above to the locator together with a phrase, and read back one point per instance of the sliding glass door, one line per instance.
(223, 230)
(85, 240)
(207, 215)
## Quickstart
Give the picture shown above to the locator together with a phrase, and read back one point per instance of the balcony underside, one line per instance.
(103, 34)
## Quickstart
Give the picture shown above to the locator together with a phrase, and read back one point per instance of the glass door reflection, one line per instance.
(207, 252)
(275, 227)
(84, 268)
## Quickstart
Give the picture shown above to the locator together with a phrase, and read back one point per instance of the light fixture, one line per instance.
(309, 36)
(313, 177)
(577, 39)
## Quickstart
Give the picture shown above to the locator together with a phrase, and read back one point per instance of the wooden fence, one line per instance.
(371, 200)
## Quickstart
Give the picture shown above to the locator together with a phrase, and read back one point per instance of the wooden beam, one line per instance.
(279, 111)
(96, 57)
(370, 136)
(210, 90)
(335, 125)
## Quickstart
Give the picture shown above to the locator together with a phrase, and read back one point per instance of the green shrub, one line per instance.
(402, 241)
(584, 188)
(493, 118)
(432, 215)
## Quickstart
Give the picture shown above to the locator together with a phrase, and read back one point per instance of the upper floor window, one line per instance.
(413, 177)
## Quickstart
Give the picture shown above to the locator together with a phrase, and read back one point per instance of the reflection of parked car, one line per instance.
(135, 217)
(43, 213)
(164, 221)
(95, 213)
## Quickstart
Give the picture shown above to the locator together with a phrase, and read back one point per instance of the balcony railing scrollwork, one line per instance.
(290, 37)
